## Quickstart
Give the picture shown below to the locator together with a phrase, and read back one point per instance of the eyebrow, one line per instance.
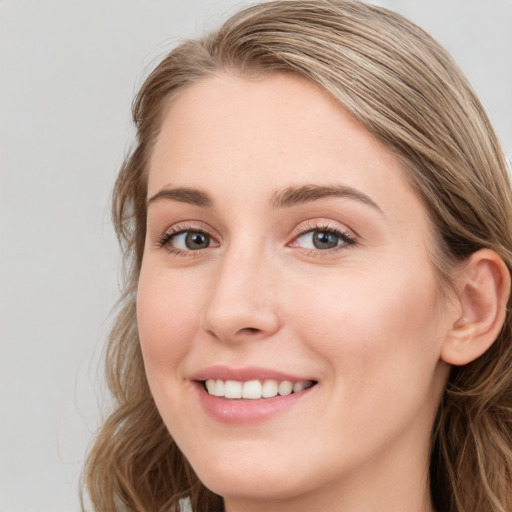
(183, 195)
(294, 196)
(289, 197)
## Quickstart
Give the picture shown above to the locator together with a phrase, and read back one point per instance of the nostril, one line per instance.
(248, 330)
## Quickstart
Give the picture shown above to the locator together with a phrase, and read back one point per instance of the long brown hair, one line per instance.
(406, 90)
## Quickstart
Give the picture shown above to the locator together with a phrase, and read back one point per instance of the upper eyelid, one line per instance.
(179, 227)
(322, 224)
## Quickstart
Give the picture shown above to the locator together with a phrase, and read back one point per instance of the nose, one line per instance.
(243, 302)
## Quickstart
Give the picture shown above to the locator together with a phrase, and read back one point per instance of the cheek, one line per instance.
(380, 325)
(167, 318)
(381, 344)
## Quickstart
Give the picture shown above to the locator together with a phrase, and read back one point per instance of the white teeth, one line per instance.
(299, 386)
(210, 386)
(233, 389)
(219, 388)
(254, 389)
(285, 387)
(269, 388)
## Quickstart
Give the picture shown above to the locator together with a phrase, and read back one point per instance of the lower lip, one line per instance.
(240, 411)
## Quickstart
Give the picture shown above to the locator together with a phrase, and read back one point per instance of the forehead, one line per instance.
(256, 136)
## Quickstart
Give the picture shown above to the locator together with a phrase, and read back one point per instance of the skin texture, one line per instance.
(363, 319)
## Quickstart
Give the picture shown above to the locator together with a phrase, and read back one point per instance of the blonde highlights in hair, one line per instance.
(404, 88)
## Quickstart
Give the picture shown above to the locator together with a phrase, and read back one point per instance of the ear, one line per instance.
(484, 288)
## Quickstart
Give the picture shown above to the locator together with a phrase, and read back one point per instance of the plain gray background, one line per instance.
(68, 72)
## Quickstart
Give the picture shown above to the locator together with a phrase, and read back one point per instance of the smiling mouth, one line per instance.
(254, 389)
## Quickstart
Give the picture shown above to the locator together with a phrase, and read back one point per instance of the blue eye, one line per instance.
(322, 239)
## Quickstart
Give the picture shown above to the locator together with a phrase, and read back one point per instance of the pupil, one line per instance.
(324, 240)
(197, 241)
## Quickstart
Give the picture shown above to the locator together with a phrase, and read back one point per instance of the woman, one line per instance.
(317, 223)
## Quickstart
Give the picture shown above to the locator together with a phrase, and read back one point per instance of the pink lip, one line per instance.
(245, 374)
(242, 411)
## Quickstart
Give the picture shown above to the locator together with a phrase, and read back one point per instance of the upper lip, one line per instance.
(245, 374)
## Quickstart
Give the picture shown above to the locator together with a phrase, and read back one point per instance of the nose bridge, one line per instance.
(242, 301)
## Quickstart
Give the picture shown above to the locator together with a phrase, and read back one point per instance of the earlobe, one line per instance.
(484, 290)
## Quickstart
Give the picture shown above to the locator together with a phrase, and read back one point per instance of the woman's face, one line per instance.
(285, 250)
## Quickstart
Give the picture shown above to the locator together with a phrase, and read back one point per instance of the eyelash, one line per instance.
(346, 239)
(165, 239)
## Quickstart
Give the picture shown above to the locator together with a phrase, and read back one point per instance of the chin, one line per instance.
(268, 478)
(251, 486)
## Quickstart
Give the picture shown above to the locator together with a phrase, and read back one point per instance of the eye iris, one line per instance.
(195, 241)
(325, 240)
